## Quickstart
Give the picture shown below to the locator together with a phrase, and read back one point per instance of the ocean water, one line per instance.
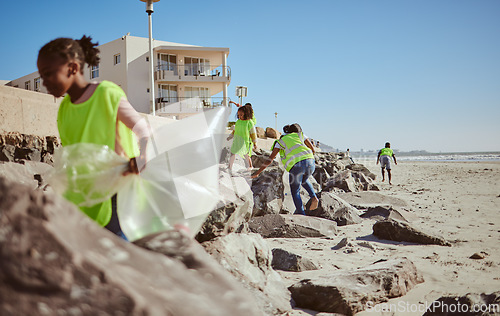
(494, 156)
(401, 156)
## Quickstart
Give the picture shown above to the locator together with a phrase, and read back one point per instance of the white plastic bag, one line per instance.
(88, 174)
(178, 187)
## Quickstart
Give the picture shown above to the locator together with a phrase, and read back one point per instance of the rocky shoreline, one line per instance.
(367, 245)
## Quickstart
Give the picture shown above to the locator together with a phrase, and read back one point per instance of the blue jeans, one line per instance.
(299, 175)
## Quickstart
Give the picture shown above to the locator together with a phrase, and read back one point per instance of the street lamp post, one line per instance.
(276, 120)
(149, 10)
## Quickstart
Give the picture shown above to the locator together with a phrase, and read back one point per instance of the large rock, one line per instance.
(272, 133)
(248, 257)
(268, 192)
(471, 304)
(361, 168)
(30, 173)
(347, 292)
(367, 199)
(350, 181)
(383, 212)
(261, 132)
(56, 261)
(232, 212)
(292, 226)
(16, 146)
(334, 208)
(287, 261)
(399, 231)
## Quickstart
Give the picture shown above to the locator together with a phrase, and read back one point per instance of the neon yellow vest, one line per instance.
(386, 152)
(293, 150)
(94, 121)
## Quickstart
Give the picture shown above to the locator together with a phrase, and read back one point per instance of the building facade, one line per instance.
(188, 78)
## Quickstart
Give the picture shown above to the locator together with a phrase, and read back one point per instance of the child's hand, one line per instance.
(135, 165)
(132, 167)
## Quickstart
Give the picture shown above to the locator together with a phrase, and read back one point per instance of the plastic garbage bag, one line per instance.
(178, 187)
(87, 174)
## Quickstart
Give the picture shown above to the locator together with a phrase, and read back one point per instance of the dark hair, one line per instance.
(247, 112)
(387, 145)
(82, 50)
(292, 128)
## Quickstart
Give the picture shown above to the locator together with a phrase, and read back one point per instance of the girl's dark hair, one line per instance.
(82, 50)
(292, 128)
(248, 110)
(246, 113)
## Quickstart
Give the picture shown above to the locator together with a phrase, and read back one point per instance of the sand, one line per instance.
(459, 201)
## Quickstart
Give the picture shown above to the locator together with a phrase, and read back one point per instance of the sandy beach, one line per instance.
(459, 201)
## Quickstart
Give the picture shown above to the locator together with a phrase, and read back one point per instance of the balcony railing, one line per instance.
(175, 105)
(194, 71)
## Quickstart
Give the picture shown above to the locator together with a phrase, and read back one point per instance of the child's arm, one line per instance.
(253, 136)
(133, 120)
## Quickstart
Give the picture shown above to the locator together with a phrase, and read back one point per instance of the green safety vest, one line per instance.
(94, 121)
(293, 150)
(386, 152)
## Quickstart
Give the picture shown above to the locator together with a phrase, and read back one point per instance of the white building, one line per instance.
(182, 72)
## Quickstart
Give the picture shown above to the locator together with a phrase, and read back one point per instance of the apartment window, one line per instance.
(167, 62)
(201, 92)
(168, 93)
(195, 66)
(116, 59)
(36, 84)
(27, 85)
(94, 72)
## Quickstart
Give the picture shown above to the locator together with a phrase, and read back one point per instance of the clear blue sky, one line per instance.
(422, 74)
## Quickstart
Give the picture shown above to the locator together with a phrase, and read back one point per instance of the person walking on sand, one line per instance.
(297, 155)
(96, 113)
(244, 136)
(384, 156)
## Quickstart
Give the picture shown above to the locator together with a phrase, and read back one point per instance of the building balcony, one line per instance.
(176, 105)
(190, 73)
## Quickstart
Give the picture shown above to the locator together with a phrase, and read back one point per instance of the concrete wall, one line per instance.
(35, 113)
(28, 112)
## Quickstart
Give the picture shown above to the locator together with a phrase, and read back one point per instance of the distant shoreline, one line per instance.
(448, 157)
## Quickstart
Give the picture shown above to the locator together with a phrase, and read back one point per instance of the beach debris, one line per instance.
(399, 231)
(383, 212)
(347, 291)
(344, 242)
(334, 208)
(51, 247)
(248, 257)
(292, 226)
(287, 261)
(473, 304)
(479, 255)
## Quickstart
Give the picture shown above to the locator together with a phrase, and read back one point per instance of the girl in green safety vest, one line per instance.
(297, 155)
(96, 113)
(244, 136)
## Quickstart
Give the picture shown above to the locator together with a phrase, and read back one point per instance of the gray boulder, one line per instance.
(232, 212)
(287, 261)
(54, 260)
(268, 192)
(334, 208)
(383, 212)
(399, 231)
(350, 181)
(471, 304)
(248, 257)
(367, 199)
(347, 292)
(292, 226)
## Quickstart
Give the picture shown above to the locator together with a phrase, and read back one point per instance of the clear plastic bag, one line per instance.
(178, 187)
